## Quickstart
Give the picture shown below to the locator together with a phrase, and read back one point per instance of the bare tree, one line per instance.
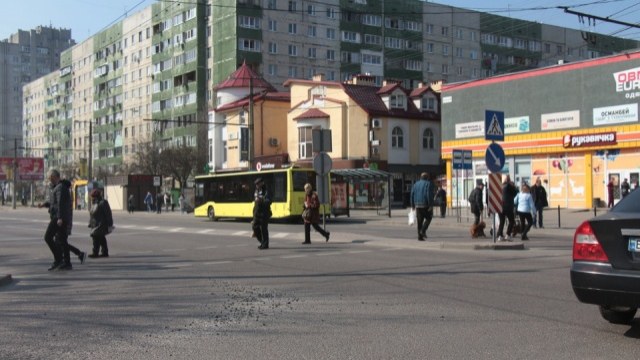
(180, 162)
(148, 159)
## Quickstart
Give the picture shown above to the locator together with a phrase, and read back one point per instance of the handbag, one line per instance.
(306, 214)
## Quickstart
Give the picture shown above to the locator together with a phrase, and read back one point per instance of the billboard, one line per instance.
(28, 168)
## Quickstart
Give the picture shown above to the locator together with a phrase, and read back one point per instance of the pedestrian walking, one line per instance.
(60, 207)
(525, 208)
(509, 191)
(625, 188)
(539, 195)
(130, 204)
(422, 195)
(441, 199)
(148, 200)
(181, 203)
(82, 256)
(610, 186)
(261, 214)
(167, 202)
(312, 208)
(101, 224)
(159, 201)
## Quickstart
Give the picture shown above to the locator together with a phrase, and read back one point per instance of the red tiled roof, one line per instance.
(242, 78)
(388, 88)
(312, 113)
(368, 98)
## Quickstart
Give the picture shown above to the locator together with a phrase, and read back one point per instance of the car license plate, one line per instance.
(634, 245)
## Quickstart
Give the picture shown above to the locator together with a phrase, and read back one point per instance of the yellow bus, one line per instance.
(230, 195)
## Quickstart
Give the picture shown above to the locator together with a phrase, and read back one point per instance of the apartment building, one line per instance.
(25, 56)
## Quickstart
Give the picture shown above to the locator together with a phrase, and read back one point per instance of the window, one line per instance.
(413, 26)
(273, 69)
(331, 55)
(371, 59)
(293, 72)
(429, 104)
(459, 34)
(429, 29)
(445, 50)
(311, 10)
(428, 141)
(332, 13)
(373, 20)
(393, 43)
(311, 31)
(350, 36)
(293, 6)
(396, 101)
(445, 68)
(293, 28)
(331, 33)
(397, 138)
(430, 47)
(445, 31)
(249, 22)
(273, 48)
(312, 53)
(415, 65)
(459, 52)
(293, 50)
(273, 25)
(305, 141)
(249, 45)
(372, 39)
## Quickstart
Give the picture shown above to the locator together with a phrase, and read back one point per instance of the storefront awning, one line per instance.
(355, 174)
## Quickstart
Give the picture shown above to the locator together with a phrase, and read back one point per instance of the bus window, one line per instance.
(279, 189)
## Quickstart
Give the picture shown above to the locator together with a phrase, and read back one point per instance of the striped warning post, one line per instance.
(495, 193)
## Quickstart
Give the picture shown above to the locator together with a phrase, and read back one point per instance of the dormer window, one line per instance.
(429, 104)
(397, 101)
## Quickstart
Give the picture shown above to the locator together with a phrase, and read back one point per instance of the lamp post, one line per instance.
(15, 172)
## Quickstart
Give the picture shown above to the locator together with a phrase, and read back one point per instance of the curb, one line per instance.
(5, 280)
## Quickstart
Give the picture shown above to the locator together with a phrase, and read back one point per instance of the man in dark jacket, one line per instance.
(101, 222)
(422, 196)
(60, 222)
(509, 192)
(539, 195)
(476, 203)
(261, 214)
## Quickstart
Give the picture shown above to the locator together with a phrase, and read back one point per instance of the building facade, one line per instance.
(574, 126)
(25, 56)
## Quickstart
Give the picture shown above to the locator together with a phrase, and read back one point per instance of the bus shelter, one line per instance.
(360, 189)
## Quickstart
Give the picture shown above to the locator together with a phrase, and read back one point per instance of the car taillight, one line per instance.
(586, 246)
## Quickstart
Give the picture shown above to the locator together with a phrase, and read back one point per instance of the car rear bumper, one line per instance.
(601, 284)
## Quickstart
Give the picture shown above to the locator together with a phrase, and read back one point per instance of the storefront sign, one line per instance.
(471, 129)
(28, 168)
(516, 125)
(615, 114)
(627, 80)
(560, 120)
(601, 139)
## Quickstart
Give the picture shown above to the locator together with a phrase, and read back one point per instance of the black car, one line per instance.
(606, 261)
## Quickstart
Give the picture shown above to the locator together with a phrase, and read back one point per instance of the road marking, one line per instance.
(241, 233)
(206, 231)
(180, 265)
(237, 245)
(176, 229)
(359, 251)
(216, 262)
(207, 247)
(126, 226)
(172, 250)
(151, 227)
(279, 235)
(330, 253)
(140, 252)
(293, 256)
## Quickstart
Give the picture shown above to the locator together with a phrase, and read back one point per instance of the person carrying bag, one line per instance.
(312, 216)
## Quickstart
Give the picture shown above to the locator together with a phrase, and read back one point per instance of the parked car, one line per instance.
(606, 261)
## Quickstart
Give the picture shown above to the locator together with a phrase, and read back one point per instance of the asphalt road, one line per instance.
(176, 287)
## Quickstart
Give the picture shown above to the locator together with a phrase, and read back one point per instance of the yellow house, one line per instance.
(249, 128)
(379, 128)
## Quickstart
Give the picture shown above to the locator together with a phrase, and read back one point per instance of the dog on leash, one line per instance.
(478, 230)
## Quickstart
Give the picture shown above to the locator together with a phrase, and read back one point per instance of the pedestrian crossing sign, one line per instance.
(494, 125)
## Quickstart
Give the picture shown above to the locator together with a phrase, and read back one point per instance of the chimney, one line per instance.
(363, 79)
(318, 77)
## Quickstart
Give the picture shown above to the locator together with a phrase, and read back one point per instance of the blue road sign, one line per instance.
(457, 159)
(494, 125)
(494, 157)
(467, 159)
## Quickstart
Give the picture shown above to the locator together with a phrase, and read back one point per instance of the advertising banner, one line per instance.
(28, 168)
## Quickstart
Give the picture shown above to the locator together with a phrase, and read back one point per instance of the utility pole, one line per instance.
(89, 169)
(250, 155)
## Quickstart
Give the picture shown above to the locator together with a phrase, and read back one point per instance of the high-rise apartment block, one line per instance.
(151, 77)
(25, 56)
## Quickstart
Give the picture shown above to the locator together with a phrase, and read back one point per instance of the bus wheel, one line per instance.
(211, 214)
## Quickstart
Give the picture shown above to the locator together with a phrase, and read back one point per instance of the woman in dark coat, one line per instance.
(312, 203)
(539, 195)
(101, 223)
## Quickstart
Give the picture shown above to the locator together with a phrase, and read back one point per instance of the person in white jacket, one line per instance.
(525, 208)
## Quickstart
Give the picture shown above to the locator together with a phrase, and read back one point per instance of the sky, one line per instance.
(87, 17)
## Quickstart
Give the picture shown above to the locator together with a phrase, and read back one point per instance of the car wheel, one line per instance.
(618, 315)
(211, 214)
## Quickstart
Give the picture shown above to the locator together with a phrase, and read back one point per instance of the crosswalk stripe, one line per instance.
(176, 229)
(279, 235)
(241, 233)
(206, 231)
